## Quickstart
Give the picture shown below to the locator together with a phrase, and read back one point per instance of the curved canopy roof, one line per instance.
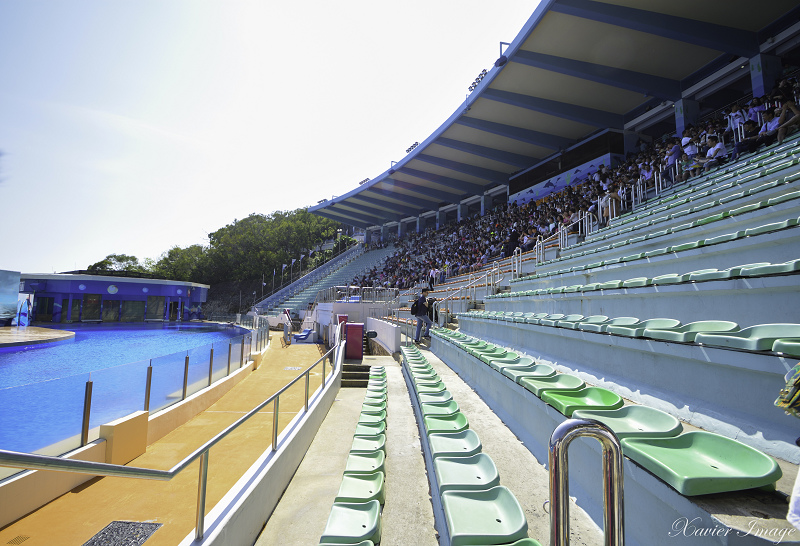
(577, 67)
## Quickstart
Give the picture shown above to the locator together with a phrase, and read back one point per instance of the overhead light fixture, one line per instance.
(410, 148)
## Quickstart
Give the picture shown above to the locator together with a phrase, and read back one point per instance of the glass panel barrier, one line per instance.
(220, 360)
(167, 382)
(117, 392)
(43, 417)
(198, 369)
(236, 352)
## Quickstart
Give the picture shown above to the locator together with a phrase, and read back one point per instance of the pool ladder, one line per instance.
(613, 502)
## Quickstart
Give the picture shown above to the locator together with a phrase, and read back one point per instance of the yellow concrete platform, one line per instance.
(30, 335)
(75, 517)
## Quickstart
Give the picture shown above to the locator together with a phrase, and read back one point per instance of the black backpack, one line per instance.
(415, 308)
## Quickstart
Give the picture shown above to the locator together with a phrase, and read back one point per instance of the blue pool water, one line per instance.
(42, 387)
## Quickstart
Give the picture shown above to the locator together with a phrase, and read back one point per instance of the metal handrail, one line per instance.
(495, 278)
(613, 501)
(32, 461)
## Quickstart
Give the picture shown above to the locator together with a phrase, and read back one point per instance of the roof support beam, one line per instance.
(536, 138)
(422, 190)
(393, 207)
(460, 185)
(509, 158)
(417, 203)
(691, 31)
(385, 215)
(478, 172)
(646, 84)
(344, 220)
(572, 112)
(371, 219)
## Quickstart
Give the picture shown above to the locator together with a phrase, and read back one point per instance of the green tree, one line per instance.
(119, 262)
(182, 264)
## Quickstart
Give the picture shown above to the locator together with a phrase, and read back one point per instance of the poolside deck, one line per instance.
(77, 516)
(12, 336)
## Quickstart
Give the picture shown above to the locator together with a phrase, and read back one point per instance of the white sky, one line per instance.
(134, 126)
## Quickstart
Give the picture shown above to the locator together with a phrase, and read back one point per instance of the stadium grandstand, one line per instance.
(607, 233)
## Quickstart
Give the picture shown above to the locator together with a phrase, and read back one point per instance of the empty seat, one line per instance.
(588, 398)
(637, 329)
(483, 517)
(372, 417)
(369, 429)
(366, 462)
(688, 332)
(550, 320)
(500, 363)
(372, 407)
(702, 463)
(365, 444)
(489, 357)
(515, 373)
(439, 408)
(633, 421)
(601, 326)
(758, 270)
(455, 422)
(351, 522)
(435, 387)
(477, 472)
(789, 346)
(755, 338)
(442, 396)
(361, 487)
(459, 444)
(559, 381)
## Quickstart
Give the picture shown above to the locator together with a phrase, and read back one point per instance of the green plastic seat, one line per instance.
(669, 278)
(631, 257)
(477, 472)
(366, 462)
(637, 282)
(488, 358)
(495, 351)
(601, 326)
(550, 320)
(744, 209)
(769, 228)
(782, 198)
(501, 364)
(372, 418)
(590, 287)
(372, 397)
(636, 330)
(352, 522)
(610, 285)
(688, 332)
(376, 390)
(758, 270)
(369, 429)
(593, 319)
(634, 421)
(429, 376)
(755, 338)
(362, 543)
(436, 387)
(455, 422)
(515, 373)
(358, 487)
(534, 319)
(439, 408)
(685, 246)
(656, 252)
(788, 346)
(588, 398)
(366, 444)
(377, 407)
(558, 382)
(459, 444)
(483, 517)
(524, 316)
(433, 397)
(702, 463)
(569, 320)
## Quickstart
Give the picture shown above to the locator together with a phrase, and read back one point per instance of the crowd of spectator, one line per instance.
(473, 243)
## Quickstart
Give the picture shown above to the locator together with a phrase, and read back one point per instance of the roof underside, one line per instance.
(576, 68)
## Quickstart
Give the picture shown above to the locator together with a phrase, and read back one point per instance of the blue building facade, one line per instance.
(68, 298)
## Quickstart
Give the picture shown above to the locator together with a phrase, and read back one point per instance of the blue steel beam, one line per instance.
(421, 203)
(509, 158)
(460, 185)
(344, 220)
(372, 219)
(572, 112)
(428, 192)
(406, 211)
(718, 37)
(478, 172)
(537, 138)
(652, 86)
(366, 209)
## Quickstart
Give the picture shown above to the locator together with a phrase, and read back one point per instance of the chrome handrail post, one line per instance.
(275, 411)
(87, 411)
(185, 376)
(201, 497)
(613, 501)
(307, 378)
(147, 386)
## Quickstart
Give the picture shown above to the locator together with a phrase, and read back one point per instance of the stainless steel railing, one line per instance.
(31, 461)
(613, 515)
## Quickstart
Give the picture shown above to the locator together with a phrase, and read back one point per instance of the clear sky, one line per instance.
(130, 127)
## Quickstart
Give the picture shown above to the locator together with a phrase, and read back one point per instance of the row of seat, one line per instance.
(692, 463)
(355, 517)
(690, 245)
(760, 269)
(783, 338)
(478, 510)
(768, 159)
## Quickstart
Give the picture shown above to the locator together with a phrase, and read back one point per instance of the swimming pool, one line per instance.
(42, 387)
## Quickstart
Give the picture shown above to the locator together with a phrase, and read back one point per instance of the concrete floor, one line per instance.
(75, 517)
(407, 516)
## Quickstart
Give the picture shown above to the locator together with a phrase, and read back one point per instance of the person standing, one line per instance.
(421, 314)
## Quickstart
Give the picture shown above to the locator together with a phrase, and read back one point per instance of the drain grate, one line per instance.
(18, 539)
(123, 533)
